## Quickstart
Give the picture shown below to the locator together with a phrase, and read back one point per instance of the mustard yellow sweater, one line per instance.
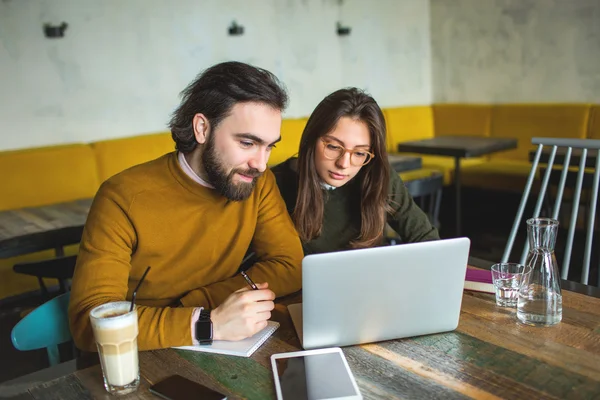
(194, 240)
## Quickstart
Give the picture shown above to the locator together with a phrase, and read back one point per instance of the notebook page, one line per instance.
(241, 348)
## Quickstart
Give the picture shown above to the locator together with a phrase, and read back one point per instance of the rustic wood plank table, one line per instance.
(458, 147)
(28, 230)
(489, 356)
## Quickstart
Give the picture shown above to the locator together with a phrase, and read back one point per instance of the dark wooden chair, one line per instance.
(59, 268)
(427, 192)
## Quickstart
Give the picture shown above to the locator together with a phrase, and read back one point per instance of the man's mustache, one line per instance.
(252, 172)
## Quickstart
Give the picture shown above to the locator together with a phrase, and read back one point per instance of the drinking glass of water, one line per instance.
(507, 279)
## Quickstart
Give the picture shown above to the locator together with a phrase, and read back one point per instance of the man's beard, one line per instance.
(223, 181)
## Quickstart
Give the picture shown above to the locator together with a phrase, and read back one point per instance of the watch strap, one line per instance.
(204, 332)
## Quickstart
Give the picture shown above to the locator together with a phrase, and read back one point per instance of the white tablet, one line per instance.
(313, 375)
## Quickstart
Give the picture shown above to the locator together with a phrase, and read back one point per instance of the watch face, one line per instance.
(203, 330)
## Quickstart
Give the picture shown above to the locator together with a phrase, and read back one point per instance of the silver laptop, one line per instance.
(382, 293)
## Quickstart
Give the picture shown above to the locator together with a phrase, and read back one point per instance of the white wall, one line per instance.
(510, 51)
(119, 68)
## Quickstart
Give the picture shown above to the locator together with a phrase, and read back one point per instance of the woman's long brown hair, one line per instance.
(373, 177)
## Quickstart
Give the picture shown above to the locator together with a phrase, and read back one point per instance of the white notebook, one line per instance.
(242, 348)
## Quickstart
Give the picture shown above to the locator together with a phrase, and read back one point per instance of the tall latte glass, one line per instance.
(116, 330)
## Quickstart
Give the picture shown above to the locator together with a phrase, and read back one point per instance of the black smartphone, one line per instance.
(177, 387)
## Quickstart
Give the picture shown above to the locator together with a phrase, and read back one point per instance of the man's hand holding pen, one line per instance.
(244, 313)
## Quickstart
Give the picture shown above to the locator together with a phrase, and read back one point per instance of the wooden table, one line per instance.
(489, 356)
(28, 230)
(458, 147)
(401, 163)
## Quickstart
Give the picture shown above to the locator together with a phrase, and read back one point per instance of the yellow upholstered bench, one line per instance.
(462, 119)
(407, 123)
(116, 155)
(594, 125)
(37, 177)
(47, 175)
(417, 123)
(63, 173)
(291, 133)
(421, 173)
(508, 170)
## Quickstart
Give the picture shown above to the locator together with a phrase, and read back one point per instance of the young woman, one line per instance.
(340, 191)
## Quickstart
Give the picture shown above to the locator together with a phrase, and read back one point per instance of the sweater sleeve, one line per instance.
(405, 217)
(102, 273)
(278, 250)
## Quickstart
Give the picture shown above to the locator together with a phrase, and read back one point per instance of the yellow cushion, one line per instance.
(415, 174)
(12, 284)
(594, 125)
(407, 123)
(445, 165)
(524, 122)
(291, 133)
(47, 175)
(504, 175)
(462, 119)
(511, 175)
(116, 155)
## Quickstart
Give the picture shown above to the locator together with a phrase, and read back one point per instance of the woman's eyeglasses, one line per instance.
(333, 151)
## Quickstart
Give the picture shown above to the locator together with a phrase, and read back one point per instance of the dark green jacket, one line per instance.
(341, 219)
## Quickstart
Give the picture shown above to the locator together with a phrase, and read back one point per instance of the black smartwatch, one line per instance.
(204, 329)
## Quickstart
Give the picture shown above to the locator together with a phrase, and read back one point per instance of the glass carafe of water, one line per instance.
(540, 298)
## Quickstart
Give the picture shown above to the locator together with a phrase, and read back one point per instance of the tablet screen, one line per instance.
(315, 376)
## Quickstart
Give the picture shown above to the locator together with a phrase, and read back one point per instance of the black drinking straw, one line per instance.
(137, 287)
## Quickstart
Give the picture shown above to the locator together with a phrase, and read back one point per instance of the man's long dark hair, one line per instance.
(373, 177)
(214, 93)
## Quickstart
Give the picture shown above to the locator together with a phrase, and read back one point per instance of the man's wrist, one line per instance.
(215, 324)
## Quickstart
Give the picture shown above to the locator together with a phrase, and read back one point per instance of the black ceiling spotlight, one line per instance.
(343, 30)
(55, 31)
(235, 29)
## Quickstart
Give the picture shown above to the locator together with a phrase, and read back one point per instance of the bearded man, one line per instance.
(192, 215)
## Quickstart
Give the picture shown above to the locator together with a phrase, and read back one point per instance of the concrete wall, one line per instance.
(511, 51)
(119, 68)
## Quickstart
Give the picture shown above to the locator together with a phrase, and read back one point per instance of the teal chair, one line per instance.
(45, 327)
